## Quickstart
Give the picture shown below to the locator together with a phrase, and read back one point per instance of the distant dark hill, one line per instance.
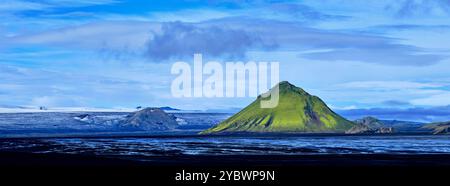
(439, 128)
(150, 119)
(369, 125)
(169, 109)
(405, 126)
(297, 111)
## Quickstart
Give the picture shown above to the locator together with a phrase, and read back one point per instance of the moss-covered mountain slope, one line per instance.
(297, 111)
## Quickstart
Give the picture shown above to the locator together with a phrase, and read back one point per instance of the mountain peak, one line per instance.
(150, 118)
(284, 83)
(297, 111)
(286, 87)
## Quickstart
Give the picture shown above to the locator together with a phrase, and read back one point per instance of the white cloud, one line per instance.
(388, 85)
(343, 108)
(101, 36)
(23, 5)
(16, 5)
(442, 99)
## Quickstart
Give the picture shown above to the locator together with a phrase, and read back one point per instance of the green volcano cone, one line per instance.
(297, 111)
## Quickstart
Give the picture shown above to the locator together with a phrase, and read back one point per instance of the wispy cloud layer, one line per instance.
(231, 37)
(30, 5)
(373, 53)
(179, 39)
(409, 8)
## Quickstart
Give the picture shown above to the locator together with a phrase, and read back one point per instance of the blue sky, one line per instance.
(116, 53)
